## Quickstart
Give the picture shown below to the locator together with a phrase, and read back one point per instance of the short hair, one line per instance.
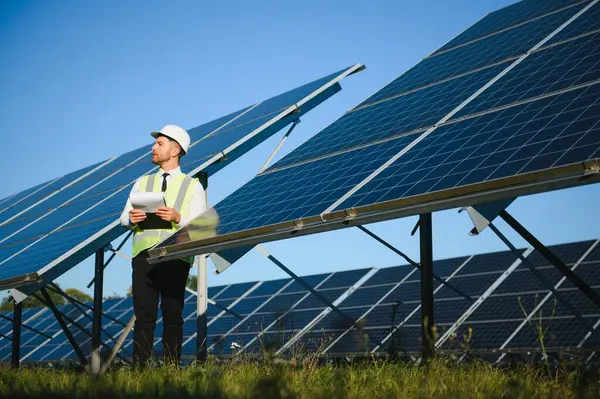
(181, 153)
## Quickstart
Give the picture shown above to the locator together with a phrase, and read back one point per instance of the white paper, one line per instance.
(147, 202)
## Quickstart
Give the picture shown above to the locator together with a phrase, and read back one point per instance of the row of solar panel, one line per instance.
(62, 213)
(541, 114)
(281, 312)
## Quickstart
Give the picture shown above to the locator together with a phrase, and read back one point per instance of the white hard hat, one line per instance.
(176, 133)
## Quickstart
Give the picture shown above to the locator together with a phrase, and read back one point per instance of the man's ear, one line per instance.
(178, 149)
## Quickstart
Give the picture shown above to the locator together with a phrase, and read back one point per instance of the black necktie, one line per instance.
(164, 182)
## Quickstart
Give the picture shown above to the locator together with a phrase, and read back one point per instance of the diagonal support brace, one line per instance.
(541, 278)
(59, 318)
(553, 259)
(216, 304)
(25, 326)
(278, 147)
(78, 304)
(413, 263)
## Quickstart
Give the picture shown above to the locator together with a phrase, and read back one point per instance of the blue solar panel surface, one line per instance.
(506, 18)
(545, 71)
(551, 132)
(395, 116)
(91, 204)
(494, 49)
(303, 190)
(15, 199)
(539, 115)
(20, 217)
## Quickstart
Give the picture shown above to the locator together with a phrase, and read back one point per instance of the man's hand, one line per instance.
(168, 214)
(136, 216)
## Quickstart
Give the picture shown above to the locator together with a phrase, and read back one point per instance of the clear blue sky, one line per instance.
(84, 81)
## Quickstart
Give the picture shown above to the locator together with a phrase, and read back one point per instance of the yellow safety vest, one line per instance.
(178, 195)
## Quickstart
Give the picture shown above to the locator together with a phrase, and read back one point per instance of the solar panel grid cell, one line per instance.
(366, 295)
(473, 285)
(269, 287)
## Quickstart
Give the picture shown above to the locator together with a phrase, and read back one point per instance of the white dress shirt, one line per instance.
(196, 207)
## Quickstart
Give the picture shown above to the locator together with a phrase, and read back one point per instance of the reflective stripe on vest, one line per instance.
(182, 186)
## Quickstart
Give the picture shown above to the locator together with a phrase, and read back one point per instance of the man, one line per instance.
(185, 199)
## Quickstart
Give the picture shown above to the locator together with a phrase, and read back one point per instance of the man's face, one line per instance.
(163, 150)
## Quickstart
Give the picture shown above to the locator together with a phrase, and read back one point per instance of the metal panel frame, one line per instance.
(578, 174)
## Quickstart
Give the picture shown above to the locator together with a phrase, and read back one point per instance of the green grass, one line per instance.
(245, 380)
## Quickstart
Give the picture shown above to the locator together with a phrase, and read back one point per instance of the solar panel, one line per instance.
(64, 229)
(527, 121)
(278, 311)
(507, 17)
(502, 316)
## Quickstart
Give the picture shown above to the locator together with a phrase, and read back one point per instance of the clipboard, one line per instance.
(149, 202)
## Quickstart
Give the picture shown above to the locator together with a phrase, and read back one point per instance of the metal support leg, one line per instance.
(426, 242)
(48, 301)
(97, 322)
(546, 253)
(112, 256)
(541, 278)
(118, 345)
(413, 263)
(202, 294)
(16, 336)
(276, 150)
(201, 309)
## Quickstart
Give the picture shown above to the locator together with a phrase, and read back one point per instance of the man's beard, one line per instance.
(157, 161)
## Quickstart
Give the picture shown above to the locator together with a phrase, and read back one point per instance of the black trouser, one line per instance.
(167, 279)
